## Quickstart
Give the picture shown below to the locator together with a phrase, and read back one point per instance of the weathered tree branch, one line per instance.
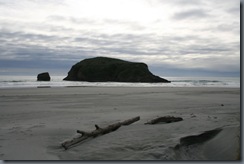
(98, 131)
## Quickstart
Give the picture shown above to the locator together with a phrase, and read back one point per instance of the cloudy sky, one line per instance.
(174, 37)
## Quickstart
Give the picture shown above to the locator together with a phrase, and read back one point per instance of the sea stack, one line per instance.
(43, 77)
(104, 69)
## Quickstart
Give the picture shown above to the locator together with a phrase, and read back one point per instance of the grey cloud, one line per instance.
(232, 27)
(229, 5)
(170, 46)
(62, 41)
(130, 44)
(15, 46)
(166, 45)
(28, 46)
(22, 36)
(226, 27)
(190, 14)
(8, 3)
(95, 22)
(93, 41)
(27, 58)
(211, 48)
(60, 29)
(179, 47)
(65, 56)
(112, 40)
(188, 2)
(180, 3)
(70, 19)
(12, 3)
(234, 10)
(130, 24)
(56, 18)
(124, 50)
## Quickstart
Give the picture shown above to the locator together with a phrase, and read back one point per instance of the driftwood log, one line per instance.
(97, 132)
(165, 119)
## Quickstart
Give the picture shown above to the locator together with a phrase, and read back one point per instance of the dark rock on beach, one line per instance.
(43, 77)
(166, 119)
(198, 139)
(103, 69)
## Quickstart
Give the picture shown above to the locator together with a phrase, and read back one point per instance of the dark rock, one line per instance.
(166, 119)
(198, 139)
(103, 69)
(43, 77)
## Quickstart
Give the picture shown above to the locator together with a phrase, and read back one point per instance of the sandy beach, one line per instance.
(34, 121)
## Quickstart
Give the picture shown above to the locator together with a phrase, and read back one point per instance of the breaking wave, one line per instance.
(57, 81)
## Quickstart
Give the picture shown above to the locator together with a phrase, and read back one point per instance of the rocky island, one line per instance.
(43, 76)
(104, 69)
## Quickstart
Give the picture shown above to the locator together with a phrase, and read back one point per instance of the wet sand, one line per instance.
(34, 121)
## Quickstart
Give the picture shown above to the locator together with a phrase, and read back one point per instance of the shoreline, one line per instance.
(87, 86)
(229, 82)
(34, 121)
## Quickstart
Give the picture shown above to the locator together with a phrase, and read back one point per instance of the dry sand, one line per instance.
(35, 121)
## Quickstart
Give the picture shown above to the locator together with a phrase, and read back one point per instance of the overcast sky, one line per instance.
(174, 37)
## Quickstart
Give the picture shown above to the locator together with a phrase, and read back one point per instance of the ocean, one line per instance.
(57, 81)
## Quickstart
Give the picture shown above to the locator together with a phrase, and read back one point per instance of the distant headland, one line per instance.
(104, 69)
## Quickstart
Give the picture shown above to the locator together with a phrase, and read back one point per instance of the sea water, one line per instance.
(57, 81)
